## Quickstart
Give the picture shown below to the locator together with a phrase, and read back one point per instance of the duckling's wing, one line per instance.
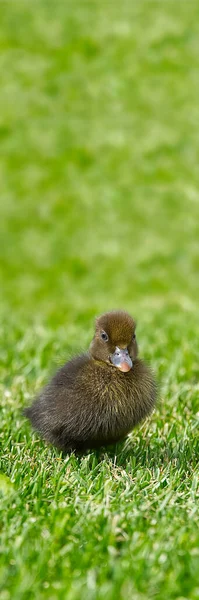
(51, 413)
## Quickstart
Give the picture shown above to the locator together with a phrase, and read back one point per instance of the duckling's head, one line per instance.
(115, 341)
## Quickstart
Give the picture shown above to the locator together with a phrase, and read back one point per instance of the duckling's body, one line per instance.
(90, 401)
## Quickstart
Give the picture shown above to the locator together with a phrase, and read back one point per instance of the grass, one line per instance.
(99, 209)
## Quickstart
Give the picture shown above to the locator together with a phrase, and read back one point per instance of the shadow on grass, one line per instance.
(138, 454)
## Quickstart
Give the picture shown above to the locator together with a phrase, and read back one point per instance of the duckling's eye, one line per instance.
(134, 336)
(104, 336)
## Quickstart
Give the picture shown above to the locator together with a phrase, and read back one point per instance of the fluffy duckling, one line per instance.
(97, 398)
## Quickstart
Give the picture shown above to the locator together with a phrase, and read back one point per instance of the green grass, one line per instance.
(99, 175)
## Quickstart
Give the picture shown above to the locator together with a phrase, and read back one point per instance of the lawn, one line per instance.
(99, 137)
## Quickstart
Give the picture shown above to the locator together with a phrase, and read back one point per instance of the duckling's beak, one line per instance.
(121, 359)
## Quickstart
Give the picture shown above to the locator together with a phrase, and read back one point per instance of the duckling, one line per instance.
(97, 398)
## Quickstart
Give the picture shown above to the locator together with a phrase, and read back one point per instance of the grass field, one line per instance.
(99, 137)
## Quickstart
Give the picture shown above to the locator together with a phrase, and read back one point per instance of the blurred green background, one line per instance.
(99, 172)
(99, 209)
